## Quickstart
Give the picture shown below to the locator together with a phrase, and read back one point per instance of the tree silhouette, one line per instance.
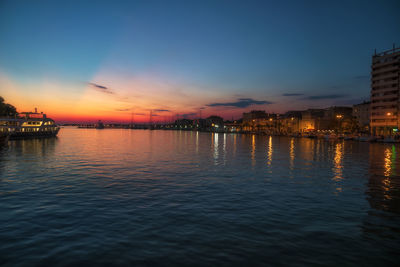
(7, 109)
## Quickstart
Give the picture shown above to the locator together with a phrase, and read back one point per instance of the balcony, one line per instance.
(390, 84)
(384, 77)
(383, 70)
(386, 99)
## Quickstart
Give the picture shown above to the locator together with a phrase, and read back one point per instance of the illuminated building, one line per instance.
(215, 123)
(259, 121)
(385, 91)
(311, 120)
(290, 122)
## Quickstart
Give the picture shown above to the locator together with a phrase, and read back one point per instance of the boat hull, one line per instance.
(4, 138)
(24, 135)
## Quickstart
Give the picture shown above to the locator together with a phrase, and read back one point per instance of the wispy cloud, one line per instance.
(189, 114)
(353, 101)
(162, 110)
(123, 109)
(241, 103)
(292, 94)
(321, 97)
(101, 88)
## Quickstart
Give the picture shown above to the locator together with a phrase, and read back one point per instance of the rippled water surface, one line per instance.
(137, 197)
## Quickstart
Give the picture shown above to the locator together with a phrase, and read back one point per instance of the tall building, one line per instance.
(385, 92)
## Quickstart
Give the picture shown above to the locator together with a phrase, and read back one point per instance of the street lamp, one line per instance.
(339, 117)
(386, 120)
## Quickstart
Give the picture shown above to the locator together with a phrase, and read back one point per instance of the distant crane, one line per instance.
(132, 119)
(151, 117)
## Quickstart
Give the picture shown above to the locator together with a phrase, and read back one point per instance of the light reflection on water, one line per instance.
(291, 154)
(175, 197)
(337, 169)
(253, 150)
(269, 151)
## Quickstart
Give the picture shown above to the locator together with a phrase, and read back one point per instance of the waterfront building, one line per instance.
(183, 124)
(361, 113)
(261, 122)
(339, 119)
(233, 126)
(254, 114)
(199, 124)
(311, 120)
(385, 92)
(289, 122)
(215, 123)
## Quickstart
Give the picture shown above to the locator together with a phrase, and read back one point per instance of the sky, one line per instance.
(81, 61)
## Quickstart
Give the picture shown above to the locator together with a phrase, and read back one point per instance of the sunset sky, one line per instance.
(81, 61)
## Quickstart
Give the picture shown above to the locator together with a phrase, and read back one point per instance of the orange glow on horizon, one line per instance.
(115, 99)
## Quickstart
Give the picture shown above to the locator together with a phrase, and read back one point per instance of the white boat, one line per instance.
(31, 125)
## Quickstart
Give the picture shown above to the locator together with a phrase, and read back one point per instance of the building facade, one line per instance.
(361, 113)
(289, 123)
(385, 92)
(259, 121)
(339, 119)
(311, 120)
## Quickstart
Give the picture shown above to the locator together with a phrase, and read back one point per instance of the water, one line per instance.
(133, 197)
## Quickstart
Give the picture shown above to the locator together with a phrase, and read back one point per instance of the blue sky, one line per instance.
(209, 51)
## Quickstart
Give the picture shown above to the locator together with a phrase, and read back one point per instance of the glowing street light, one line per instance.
(386, 124)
